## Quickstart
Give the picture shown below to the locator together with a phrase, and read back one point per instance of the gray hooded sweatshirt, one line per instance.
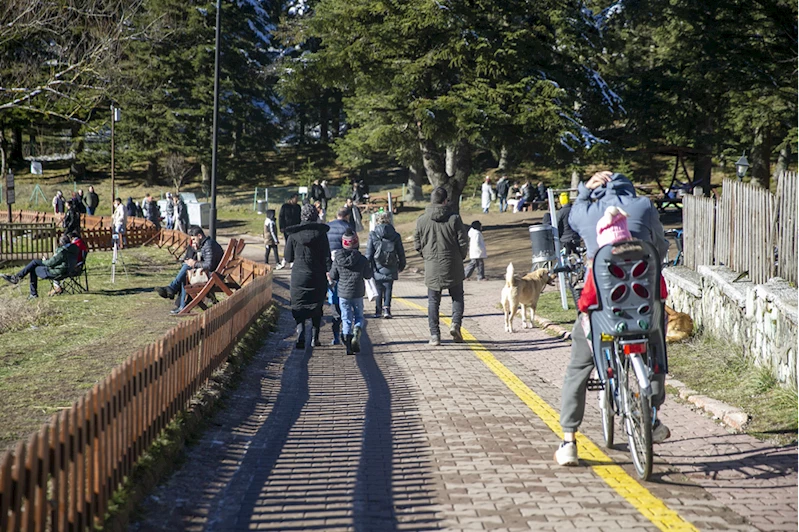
(643, 219)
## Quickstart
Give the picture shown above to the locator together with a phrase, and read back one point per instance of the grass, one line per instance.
(719, 369)
(64, 345)
(550, 307)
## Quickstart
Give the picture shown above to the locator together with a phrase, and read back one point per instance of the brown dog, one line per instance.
(523, 291)
(680, 325)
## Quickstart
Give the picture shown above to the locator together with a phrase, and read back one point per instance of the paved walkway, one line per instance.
(409, 437)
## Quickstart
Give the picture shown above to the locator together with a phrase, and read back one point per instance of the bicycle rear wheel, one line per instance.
(637, 419)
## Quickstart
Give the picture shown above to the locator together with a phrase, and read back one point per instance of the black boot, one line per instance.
(348, 344)
(316, 342)
(356, 340)
(300, 336)
(336, 326)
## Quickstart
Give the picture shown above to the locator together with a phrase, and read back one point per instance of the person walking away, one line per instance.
(350, 268)
(288, 217)
(203, 254)
(503, 187)
(336, 231)
(603, 190)
(327, 194)
(568, 238)
(440, 238)
(71, 221)
(169, 211)
(486, 195)
(91, 201)
(386, 256)
(79, 203)
(181, 214)
(131, 208)
(59, 265)
(317, 194)
(58, 202)
(308, 249)
(270, 236)
(477, 252)
(120, 221)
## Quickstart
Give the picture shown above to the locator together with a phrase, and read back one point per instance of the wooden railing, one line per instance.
(26, 241)
(748, 230)
(63, 477)
(96, 230)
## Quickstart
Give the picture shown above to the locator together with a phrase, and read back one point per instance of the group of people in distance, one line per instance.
(511, 194)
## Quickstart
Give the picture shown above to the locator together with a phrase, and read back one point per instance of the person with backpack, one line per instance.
(387, 256)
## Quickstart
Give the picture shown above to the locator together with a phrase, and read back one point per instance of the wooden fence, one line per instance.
(27, 241)
(748, 229)
(63, 477)
(96, 231)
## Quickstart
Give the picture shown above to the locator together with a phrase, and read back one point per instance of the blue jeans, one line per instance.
(503, 203)
(351, 314)
(178, 284)
(384, 290)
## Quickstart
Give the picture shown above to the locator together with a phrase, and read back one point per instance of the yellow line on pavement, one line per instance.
(614, 475)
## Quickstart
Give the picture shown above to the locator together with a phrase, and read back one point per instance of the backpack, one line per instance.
(386, 254)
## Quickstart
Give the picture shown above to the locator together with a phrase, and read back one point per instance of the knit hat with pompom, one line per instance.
(612, 227)
(349, 240)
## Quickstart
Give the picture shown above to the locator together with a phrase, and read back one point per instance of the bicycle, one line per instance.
(625, 332)
(677, 235)
(573, 265)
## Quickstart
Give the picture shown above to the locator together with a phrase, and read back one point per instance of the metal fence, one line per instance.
(748, 229)
(64, 476)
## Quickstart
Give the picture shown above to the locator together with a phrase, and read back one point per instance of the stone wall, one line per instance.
(761, 318)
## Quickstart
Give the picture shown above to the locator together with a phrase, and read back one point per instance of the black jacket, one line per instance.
(72, 221)
(307, 248)
(209, 255)
(289, 215)
(350, 269)
(503, 186)
(383, 272)
(565, 231)
(317, 192)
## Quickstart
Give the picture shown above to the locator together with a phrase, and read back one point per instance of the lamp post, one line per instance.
(116, 115)
(741, 166)
(212, 222)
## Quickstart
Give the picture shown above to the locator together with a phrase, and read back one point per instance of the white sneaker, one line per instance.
(566, 455)
(281, 265)
(660, 432)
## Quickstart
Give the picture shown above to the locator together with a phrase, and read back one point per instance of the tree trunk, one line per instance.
(238, 133)
(3, 155)
(205, 170)
(504, 159)
(151, 176)
(782, 161)
(575, 180)
(704, 163)
(16, 145)
(761, 153)
(324, 136)
(458, 157)
(335, 115)
(416, 177)
(77, 141)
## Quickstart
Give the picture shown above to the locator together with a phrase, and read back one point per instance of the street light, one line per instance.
(116, 116)
(741, 167)
(215, 141)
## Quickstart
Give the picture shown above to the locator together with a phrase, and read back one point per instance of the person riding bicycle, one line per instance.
(602, 190)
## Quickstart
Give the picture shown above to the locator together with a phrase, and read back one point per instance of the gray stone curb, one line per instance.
(733, 417)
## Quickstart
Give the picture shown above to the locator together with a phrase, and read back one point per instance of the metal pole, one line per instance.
(113, 190)
(561, 276)
(212, 224)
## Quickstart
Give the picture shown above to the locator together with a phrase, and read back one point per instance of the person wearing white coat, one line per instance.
(486, 197)
(477, 252)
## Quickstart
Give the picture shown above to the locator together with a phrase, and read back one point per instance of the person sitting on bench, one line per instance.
(58, 266)
(203, 254)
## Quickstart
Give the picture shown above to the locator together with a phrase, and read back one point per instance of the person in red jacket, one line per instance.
(610, 229)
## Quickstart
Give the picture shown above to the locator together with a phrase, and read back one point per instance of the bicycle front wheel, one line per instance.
(637, 419)
(608, 415)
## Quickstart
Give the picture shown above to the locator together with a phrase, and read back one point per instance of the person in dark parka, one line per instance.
(350, 268)
(308, 249)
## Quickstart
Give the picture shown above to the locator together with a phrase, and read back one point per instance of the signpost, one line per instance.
(9, 190)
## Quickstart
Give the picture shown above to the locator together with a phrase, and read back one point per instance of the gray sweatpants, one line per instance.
(572, 404)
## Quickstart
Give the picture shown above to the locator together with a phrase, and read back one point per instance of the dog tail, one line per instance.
(509, 275)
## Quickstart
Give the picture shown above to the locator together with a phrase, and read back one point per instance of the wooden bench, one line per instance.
(376, 202)
(223, 279)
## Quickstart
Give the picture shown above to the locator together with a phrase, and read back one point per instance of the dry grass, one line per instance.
(17, 314)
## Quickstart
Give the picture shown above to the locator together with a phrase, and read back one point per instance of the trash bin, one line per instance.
(261, 206)
(542, 240)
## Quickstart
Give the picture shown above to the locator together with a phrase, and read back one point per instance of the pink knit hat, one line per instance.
(612, 227)
(349, 240)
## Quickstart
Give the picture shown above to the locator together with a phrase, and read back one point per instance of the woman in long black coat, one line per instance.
(308, 249)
